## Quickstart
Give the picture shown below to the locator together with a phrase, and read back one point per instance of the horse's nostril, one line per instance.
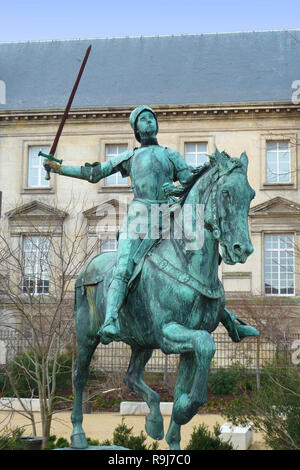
(237, 249)
(240, 250)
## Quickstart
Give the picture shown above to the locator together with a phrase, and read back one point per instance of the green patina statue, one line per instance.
(163, 291)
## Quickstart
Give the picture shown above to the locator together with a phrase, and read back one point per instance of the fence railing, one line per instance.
(11, 344)
(253, 353)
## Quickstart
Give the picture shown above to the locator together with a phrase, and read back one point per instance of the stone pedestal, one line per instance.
(241, 437)
(112, 448)
(141, 408)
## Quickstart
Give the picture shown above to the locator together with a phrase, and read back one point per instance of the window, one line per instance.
(195, 153)
(279, 264)
(278, 162)
(109, 244)
(36, 265)
(36, 171)
(116, 179)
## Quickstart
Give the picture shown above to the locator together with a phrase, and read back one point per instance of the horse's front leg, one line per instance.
(184, 380)
(134, 380)
(179, 339)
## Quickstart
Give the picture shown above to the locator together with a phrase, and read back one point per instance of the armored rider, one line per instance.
(149, 167)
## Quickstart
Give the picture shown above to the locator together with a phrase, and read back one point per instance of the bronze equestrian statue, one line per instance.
(163, 292)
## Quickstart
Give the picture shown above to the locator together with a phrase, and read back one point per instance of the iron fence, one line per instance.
(11, 344)
(252, 353)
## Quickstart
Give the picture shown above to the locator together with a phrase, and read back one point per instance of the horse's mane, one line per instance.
(220, 161)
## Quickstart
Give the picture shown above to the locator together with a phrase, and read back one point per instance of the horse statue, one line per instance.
(176, 301)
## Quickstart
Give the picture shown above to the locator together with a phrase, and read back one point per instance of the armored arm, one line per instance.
(182, 172)
(79, 172)
(92, 172)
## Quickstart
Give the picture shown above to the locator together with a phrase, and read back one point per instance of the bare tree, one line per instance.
(270, 315)
(37, 283)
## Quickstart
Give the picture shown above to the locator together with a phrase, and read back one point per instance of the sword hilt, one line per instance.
(49, 157)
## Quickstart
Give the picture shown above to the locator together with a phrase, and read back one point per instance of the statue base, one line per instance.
(95, 448)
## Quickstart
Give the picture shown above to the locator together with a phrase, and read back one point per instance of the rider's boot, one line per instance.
(236, 328)
(115, 296)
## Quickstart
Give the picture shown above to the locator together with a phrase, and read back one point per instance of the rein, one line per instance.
(213, 224)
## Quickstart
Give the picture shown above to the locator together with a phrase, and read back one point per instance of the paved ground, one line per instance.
(101, 426)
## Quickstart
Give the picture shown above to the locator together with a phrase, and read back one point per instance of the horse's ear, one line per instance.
(215, 156)
(244, 161)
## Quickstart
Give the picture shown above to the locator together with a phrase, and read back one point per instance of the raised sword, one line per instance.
(65, 115)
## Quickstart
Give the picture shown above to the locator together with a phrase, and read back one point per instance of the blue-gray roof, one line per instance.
(187, 69)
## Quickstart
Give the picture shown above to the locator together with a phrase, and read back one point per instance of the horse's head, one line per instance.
(229, 208)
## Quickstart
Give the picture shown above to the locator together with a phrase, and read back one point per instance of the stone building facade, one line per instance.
(233, 92)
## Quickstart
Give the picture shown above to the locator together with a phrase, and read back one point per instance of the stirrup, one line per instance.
(109, 330)
(111, 327)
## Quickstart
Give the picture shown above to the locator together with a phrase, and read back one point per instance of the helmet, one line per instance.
(135, 114)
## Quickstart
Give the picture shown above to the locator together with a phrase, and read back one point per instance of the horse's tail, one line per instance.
(85, 304)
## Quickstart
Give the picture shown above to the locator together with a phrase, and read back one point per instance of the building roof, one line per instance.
(203, 69)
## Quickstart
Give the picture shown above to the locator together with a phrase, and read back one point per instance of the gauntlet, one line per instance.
(54, 167)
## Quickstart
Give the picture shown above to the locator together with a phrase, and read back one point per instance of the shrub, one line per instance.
(61, 443)
(5, 388)
(100, 403)
(229, 381)
(203, 439)
(57, 443)
(123, 437)
(22, 371)
(273, 409)
(10, 439)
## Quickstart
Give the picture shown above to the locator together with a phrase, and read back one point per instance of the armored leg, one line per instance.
(236, 328)
(116, 294)
(117, 289)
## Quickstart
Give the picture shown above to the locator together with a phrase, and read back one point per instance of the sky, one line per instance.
(27, 20)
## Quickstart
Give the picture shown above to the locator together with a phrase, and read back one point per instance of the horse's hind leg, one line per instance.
(81, 373)
(134, 380)
(185, 376)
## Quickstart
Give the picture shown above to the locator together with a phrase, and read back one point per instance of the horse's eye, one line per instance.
(225, 192)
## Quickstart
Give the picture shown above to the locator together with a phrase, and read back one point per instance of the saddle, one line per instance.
(93, 273)
(95, 270)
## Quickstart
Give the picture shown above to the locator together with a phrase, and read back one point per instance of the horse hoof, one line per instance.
(78, 441)
(155, 428)
(174, 446)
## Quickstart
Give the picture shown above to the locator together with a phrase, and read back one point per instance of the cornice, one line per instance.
(163, 112)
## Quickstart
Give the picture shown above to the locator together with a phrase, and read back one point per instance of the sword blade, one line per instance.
(69, 104)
